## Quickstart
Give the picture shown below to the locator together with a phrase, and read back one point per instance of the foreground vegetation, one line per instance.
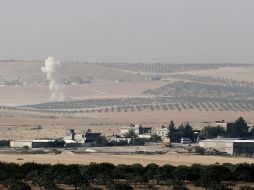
(109, 176)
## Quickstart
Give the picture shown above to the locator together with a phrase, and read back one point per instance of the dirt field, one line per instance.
(170, 158)
(18, 124)
(102, 89)
(236, 73)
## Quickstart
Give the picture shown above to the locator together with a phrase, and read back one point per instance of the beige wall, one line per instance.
(221, 146)
(20, 144)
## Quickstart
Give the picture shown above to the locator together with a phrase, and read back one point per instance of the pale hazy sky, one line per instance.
(128, 30)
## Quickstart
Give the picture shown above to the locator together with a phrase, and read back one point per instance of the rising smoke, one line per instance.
(55, 87)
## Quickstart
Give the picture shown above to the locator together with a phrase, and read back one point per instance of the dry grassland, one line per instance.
(170, 158)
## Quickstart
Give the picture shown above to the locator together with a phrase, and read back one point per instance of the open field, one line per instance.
(170, 158)
(17, 124)
(237, 73)
(20, 95)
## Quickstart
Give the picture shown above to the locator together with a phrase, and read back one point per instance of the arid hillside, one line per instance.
(106, 96)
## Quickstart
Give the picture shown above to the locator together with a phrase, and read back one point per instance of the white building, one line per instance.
(37, 143)
(21, 143)
(162, 132)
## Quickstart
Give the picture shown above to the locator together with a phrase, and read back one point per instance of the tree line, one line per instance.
(123, 177)
(237, 129)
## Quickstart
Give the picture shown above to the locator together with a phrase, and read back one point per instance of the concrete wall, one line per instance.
(222, 146)
(233, 147)
(79, 137)
(30, 144)
(220, 124)
(21, 143)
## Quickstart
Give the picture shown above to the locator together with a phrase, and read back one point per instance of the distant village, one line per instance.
(220, 137)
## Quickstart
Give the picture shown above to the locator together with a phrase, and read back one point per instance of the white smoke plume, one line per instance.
(50, 68)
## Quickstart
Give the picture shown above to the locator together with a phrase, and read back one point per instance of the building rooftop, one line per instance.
(248, 140)
(34, 140)
(43, 140)
(70, 141)
(23, 140)
(222, 121)
(162, 129)
(228, 140)
(135, 127)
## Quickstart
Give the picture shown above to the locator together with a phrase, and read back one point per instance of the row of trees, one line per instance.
(183, 131)
(237, 129)
(122, 177)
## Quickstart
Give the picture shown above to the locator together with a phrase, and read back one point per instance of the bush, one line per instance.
(120, 186)
(19, 186)
(200, 150)
(155, 138)
(177, 185)
(25, 147)
(218, 186)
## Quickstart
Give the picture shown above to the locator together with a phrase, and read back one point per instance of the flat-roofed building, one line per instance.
(21, 143)
(163, 133)
(232, 146)
(36, 143)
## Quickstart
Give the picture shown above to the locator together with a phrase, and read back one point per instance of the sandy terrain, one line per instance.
(100, 88)
(236, 73)
(171, 158)
(18, 124)
(37, 94)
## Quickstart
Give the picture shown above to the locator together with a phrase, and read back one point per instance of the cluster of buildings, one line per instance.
(226, 125)
(231, 146)
(140, 132)
(144, 132)
(71, 139)
(89, 138)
